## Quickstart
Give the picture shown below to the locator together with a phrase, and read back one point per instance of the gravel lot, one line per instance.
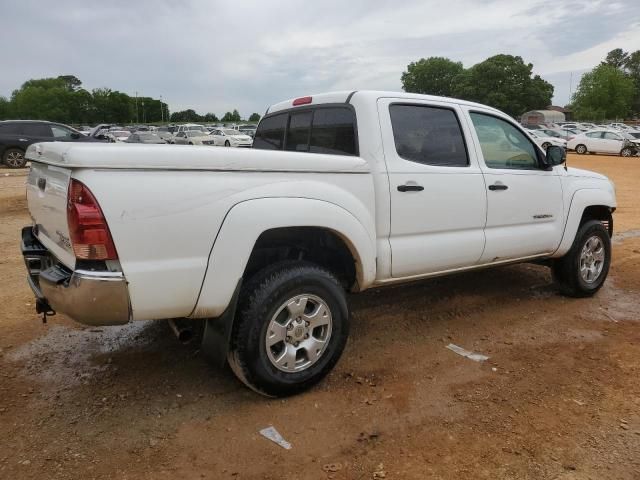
(559, 397)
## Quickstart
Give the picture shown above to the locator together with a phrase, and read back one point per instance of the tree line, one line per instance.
(63, 99)
(506, 82)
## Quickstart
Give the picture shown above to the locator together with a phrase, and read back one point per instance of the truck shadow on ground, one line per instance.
(146, 358)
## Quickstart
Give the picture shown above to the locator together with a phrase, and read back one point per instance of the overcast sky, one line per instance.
(218, 55)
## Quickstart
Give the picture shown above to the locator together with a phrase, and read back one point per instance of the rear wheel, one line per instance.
(581, 149)
(291, 328)
(227, 144)
(583, 270)
(14, 158)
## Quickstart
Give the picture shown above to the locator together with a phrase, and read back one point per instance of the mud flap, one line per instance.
(217, 332)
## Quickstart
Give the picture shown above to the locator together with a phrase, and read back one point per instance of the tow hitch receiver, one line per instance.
(44, 308)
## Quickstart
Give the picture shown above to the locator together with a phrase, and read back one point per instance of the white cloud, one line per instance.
(220, 55)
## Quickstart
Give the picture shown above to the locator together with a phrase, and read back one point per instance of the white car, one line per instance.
(545, 140)
(119, 135)
(190, 126)
(262, 246)
(192, 137)
(229, 137)
(604, 141)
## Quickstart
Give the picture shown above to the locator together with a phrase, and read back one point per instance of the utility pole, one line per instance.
(161, 110)
(144, 120)
(137, 121)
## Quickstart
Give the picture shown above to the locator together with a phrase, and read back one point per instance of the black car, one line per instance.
(17, 135)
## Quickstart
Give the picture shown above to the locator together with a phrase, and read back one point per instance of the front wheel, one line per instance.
(626, 152)
(14, 158)
(227, 144)
(291, 328)
(583, 270)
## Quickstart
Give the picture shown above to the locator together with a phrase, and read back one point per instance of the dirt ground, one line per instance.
(559, 397)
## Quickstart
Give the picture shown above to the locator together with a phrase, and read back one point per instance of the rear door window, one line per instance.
(270, 133)
(428, 135)
(37, 130)
(10, 129)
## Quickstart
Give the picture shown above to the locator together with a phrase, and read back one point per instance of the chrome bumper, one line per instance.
(89, 297)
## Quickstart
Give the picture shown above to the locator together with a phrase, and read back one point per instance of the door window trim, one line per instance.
(538, 167)
(440, 107)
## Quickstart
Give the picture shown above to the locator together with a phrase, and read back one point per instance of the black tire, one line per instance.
(545, 145)
(566, 270)
(227, 144)
(581, 149)
(14, 158)
(626, 152)
(260, 300)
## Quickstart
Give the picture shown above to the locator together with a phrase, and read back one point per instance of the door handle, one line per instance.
(498, 186)
(410, 188)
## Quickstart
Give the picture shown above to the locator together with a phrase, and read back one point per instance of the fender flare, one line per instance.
(581, 199)
(247, 220)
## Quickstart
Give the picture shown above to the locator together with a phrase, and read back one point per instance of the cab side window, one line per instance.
(503, 145)
(611, 136)
(428, 135)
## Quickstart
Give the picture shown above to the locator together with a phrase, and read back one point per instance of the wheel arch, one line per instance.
(587, 204)
(256, 232)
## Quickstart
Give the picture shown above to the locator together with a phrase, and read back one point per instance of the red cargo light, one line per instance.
(90, 236)
(302, 101)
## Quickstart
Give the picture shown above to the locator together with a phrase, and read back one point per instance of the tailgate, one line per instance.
(47, 200)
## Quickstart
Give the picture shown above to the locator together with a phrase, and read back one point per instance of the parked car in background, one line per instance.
(17, 135)
(248, 130)
(192, 137)
(145, 137)
(573, 126)
(603, 141)
(119, 135)
(165, 133)
(545, 140)
(190, 126)
(229, 137)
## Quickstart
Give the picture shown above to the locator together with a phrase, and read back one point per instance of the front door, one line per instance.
(525, 213)
(437, 191)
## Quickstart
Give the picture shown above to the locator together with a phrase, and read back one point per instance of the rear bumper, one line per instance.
(89, 297)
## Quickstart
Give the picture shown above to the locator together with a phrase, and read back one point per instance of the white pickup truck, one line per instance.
(341, 192)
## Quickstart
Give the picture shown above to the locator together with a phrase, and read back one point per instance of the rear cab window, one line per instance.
(320, 129)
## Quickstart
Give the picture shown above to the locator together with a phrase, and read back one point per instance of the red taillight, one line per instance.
(302, 101)
(90, 236)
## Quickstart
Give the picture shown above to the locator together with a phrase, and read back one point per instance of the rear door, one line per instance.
(37, 132)
(438, 194)
(525, 209)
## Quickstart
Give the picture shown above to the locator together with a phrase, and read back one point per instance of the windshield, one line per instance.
(626, 135)
(230, 131)
(199, 128)
(194, 133)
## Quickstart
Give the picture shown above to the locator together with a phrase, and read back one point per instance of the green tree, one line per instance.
(433, 76)
(235, 116)
(255, 117)
(186, 116)
(211, 117)
(605, 92)
(228, 117)
(616, 58)
(506, 83)
(4, 108)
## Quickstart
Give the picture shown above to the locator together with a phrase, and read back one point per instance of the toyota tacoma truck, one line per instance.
(342, 192)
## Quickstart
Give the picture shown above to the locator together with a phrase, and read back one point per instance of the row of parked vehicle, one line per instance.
(17, 135)
(614, 138)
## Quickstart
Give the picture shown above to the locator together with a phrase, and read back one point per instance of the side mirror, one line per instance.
(75, 135)
(555, 156)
